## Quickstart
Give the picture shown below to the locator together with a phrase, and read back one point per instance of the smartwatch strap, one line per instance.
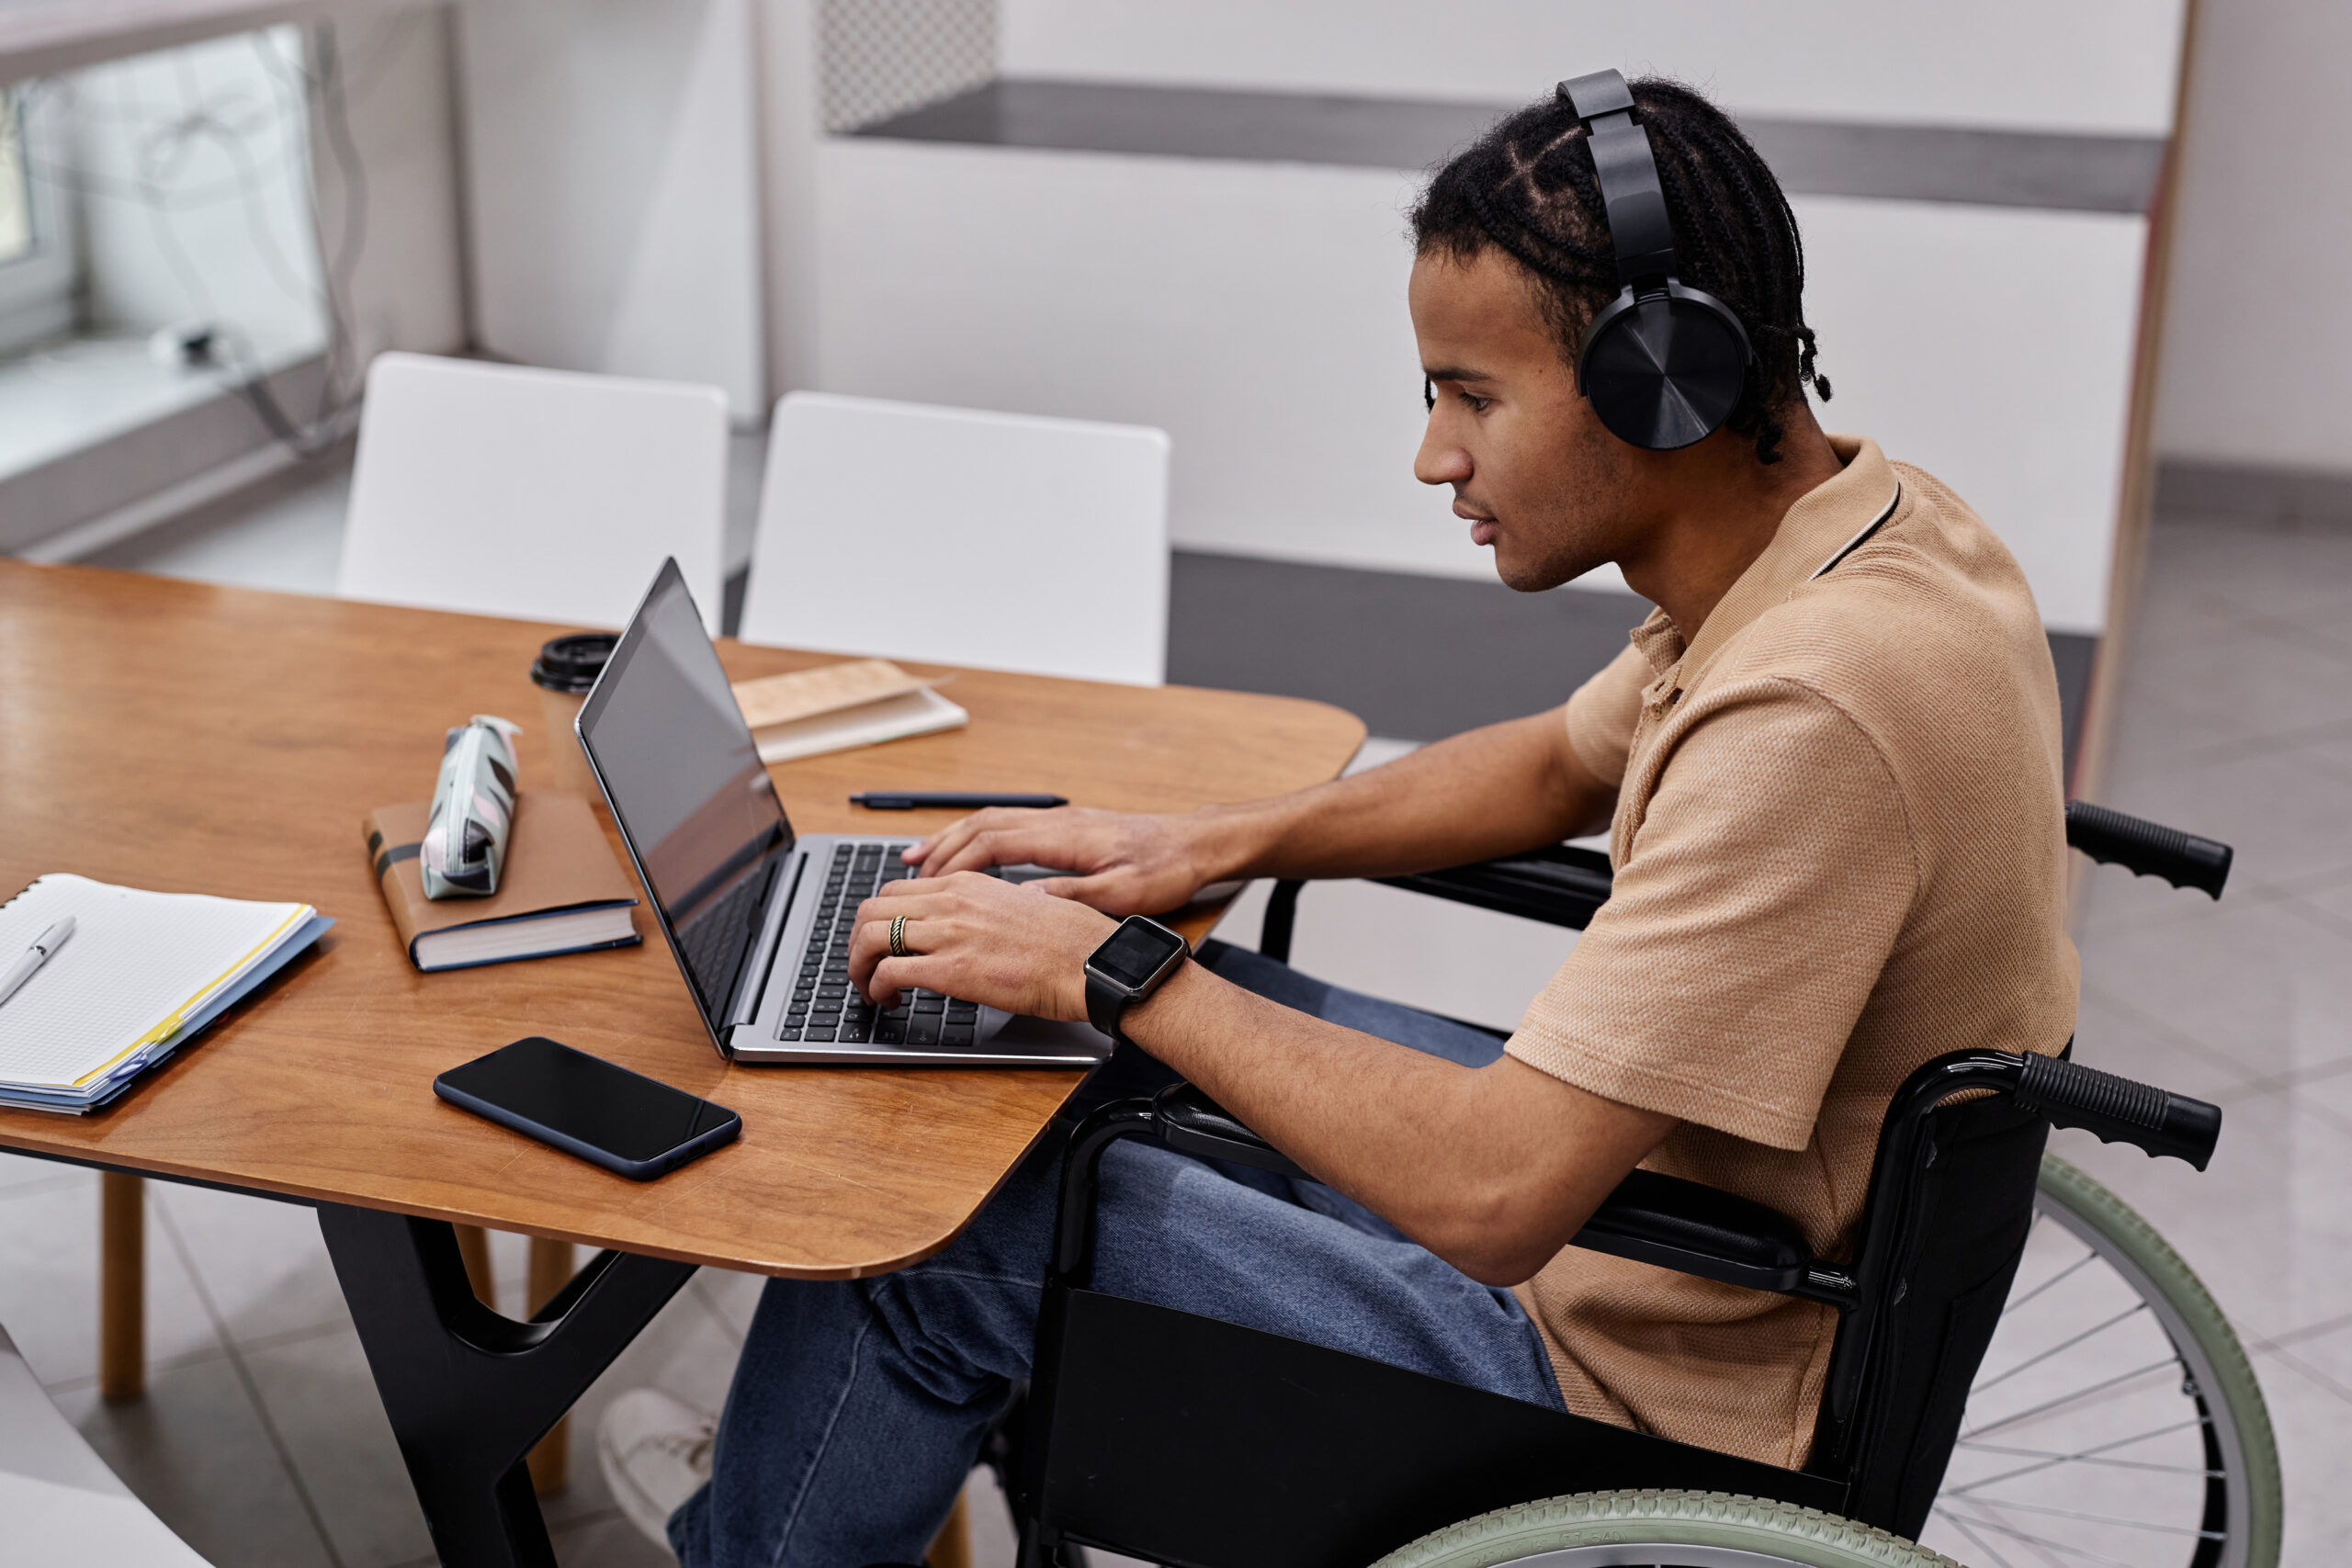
(1105, 1004)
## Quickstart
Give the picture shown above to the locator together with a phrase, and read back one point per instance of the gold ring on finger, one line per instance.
(899, 948)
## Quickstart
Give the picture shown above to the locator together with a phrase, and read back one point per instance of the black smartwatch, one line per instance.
(1134, 961)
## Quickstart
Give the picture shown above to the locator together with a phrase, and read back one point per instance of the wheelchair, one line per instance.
(2023, 1371)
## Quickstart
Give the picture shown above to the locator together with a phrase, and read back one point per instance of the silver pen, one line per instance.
(49, 942)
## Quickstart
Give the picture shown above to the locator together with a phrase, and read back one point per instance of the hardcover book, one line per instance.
(562, 889)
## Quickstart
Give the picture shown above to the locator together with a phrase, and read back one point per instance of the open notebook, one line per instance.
(142, 973)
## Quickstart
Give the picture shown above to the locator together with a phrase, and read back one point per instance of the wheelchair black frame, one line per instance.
(1202, 1444)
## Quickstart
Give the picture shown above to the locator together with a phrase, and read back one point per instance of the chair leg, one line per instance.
(122, 1285)
(952, 1548)
(550, 1458)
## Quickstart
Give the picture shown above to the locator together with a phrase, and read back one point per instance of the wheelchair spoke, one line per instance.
(2085, 1392)
(1983, 1545)
(2115, 1520)
(2041, 1542)
(2088, 1257)
(2085, 1456)
(2125, 1315)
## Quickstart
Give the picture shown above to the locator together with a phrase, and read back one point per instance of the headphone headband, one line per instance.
(1639, 230)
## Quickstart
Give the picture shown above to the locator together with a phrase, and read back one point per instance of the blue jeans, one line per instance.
(859, 1405)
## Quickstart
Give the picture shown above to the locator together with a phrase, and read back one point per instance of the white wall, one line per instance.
(406, 285)
(1256, 312)
(614, 206)
(2082, 64)
(2258, 358)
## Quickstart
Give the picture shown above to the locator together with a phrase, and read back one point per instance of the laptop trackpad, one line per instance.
(1004, 1031)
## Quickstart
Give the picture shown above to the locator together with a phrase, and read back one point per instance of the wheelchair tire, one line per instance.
(1661, 1530)
(2215, 1391)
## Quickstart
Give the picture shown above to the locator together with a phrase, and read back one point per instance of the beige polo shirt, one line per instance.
(1841, 851)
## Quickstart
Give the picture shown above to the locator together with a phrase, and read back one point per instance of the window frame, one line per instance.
(37, 290)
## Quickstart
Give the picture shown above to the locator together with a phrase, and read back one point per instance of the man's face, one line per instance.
(1534, 472)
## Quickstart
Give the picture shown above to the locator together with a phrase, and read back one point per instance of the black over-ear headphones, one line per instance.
(1662, 364)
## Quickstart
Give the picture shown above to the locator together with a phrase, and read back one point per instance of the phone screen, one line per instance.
(542, 1084)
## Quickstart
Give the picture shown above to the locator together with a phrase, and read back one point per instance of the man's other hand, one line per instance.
(994, 943)
(1122, 863)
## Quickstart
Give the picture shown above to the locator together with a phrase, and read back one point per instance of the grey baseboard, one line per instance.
(2252, 493)
(1420, 657)
(125, 469)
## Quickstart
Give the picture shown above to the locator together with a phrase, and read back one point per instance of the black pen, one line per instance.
(947, 800)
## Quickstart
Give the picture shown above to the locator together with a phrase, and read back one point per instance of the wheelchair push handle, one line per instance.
(2148, 848)
(2118, 1108)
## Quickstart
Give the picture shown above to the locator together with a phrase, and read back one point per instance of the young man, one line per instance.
(1830, 765)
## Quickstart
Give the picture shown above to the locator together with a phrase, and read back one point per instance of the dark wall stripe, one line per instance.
(1415, 657)
(1918, 162)
(2254, 494)
(1420, 657)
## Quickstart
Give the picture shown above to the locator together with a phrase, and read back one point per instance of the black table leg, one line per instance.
(469, 1391)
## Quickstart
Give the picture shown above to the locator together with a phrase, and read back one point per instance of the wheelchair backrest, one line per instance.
(1906, 1355)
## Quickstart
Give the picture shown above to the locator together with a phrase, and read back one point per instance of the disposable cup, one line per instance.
(564, 671)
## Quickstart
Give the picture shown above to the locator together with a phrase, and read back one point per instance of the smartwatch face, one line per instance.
(1135, 952)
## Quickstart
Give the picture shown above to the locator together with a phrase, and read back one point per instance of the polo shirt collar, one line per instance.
(1827, 524)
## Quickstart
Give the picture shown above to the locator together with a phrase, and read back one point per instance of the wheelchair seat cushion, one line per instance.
(1838, 851)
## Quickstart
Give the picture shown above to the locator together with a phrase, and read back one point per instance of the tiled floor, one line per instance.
(2236, 722)
(262, 1442)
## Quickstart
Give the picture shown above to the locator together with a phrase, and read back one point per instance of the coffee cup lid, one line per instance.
(572, 663)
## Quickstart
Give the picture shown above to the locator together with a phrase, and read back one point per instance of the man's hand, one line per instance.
(984, 941)
(1126, 863)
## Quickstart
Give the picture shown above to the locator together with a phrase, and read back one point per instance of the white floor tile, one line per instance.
(262, 1264)
(289, 538)
(24, 1170)
(49, 1291)
(196, 1451)
(320, 1398)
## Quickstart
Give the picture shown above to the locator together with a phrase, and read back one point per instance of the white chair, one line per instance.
(543, 494)
(957, 537)
(59, 1501)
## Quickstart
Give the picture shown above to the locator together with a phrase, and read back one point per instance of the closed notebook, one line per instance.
(562, 890)
(834, 708)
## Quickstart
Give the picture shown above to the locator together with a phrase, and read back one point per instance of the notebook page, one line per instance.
(135, 960)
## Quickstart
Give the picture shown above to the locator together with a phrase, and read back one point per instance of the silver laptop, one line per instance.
(758, 916)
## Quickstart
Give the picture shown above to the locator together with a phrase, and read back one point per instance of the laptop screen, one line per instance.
(685, 783)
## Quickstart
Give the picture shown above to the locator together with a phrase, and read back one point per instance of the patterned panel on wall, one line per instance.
(881, 58)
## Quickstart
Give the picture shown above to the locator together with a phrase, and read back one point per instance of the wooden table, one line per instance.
(183, 737)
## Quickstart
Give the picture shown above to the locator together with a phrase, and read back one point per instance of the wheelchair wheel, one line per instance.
(2115, 1418)
(1661, 1530)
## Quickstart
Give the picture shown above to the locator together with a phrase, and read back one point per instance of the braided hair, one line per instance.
(1528, 187)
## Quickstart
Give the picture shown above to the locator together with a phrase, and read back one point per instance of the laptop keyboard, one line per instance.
(713, 941)
(824, 1007)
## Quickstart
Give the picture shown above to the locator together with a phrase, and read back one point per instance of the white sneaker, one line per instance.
(654, 1451)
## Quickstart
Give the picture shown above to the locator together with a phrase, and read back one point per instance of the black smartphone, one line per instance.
(586, 1106)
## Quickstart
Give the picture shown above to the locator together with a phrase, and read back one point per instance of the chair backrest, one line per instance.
(59, 1501)
(960, 537)
(1964, 1195)
(543, 494)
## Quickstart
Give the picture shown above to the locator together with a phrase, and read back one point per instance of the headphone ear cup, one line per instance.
(1664, 370)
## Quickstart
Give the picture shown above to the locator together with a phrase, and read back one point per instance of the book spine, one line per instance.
(382, 858)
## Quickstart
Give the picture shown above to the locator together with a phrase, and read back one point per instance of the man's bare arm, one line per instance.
(1492, 1169)
(1493, 791)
